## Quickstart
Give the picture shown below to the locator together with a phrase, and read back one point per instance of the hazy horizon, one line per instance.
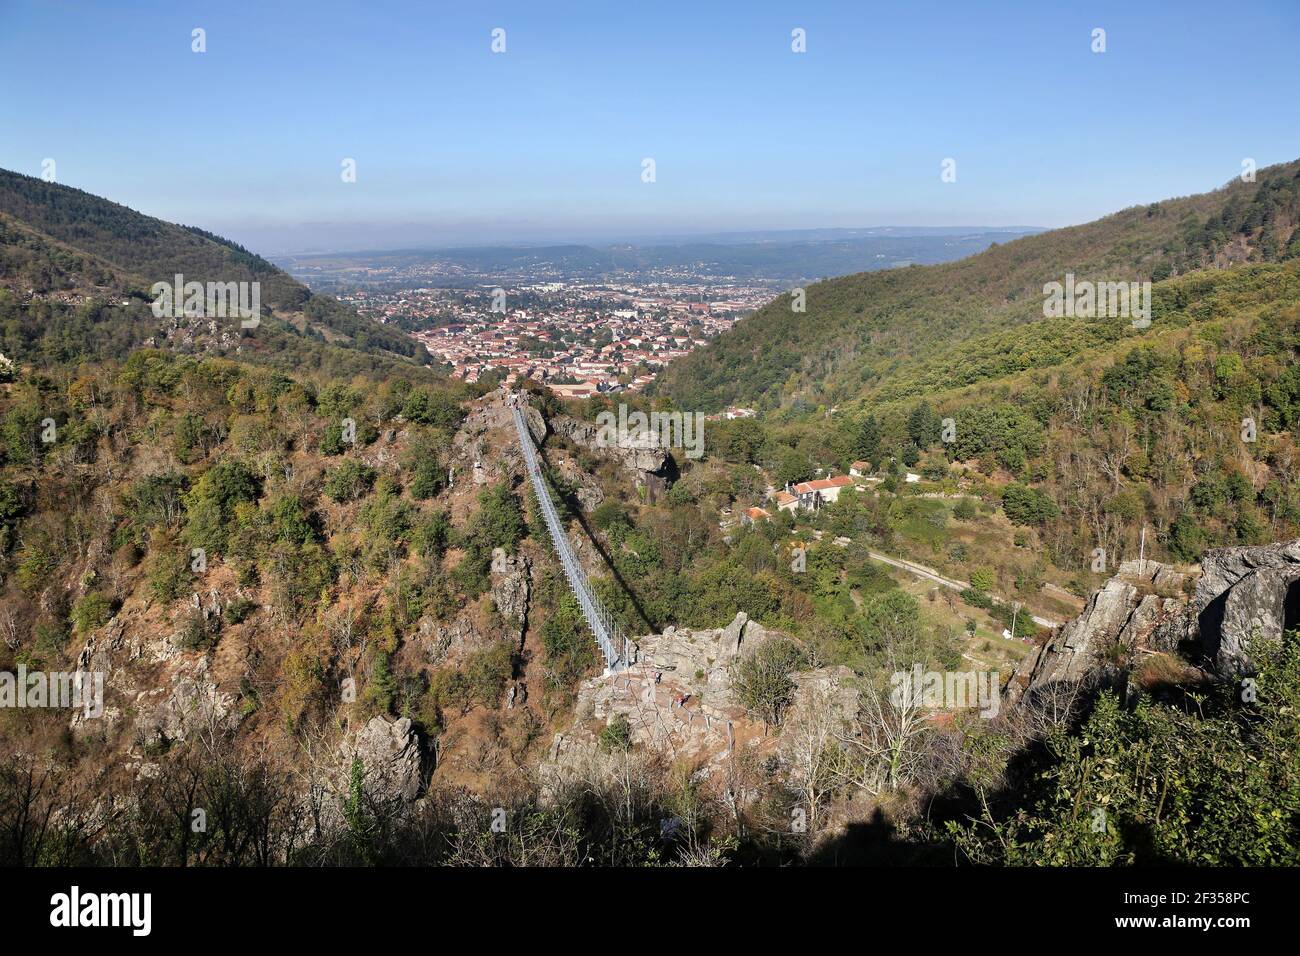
(455, 144)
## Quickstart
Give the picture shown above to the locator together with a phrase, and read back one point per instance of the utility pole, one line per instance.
(1015, 612)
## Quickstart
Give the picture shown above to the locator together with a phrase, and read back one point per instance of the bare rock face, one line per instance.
(535, 422)
(677, 701)
(587, 491)
(511, 586)
(1243, 596)
(701, 660)
(655, 469)
(193, 703)
(391, 758)
(1246, 595)
(827, 690)
(1119, 615)
(438, 639)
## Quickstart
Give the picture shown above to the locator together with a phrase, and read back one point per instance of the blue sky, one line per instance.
(456, 144)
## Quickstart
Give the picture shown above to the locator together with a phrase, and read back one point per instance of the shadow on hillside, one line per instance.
(876, 842)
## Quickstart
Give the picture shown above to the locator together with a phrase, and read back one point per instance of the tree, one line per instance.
(349, 481)
(761, 678)
(211, 503)
(866, 439)
(923, 425)
(1025, 505)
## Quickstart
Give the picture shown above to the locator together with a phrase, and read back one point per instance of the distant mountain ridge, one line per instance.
(758, 256)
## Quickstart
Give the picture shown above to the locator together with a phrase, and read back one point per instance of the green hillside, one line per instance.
(878, 337)
(75, 275)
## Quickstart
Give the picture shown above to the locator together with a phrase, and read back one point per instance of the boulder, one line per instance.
(391, 758)
(1120, 615)
(1246, 595)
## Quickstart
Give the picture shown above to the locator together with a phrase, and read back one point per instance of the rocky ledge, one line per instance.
(1242, 596)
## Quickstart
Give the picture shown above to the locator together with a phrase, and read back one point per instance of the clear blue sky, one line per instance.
(456, 144)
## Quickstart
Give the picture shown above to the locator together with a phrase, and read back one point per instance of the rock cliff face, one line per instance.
(653, 467)
(512, 587)
(1141, 606)
(1243, 595)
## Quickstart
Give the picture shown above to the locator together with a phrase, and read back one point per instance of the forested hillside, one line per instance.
(76, 272)
(864, 337)
(320, 591)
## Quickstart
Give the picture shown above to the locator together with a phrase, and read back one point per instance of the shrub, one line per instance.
(91, 611)
(762, 681)
(616, 736)
(349, 481)
(198, 631)
(238, 610)
(487, 672)
(168, 568)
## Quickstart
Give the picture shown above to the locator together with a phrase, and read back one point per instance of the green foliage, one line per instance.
(167, 568)
(90, 611)
(1025, 505)
(761, 678)
(431, 535)
(724, 589)
(487, 672)
(428, 479)
(427, 407)
(349, 480)
(569, 651)
(1186, 539)
(616, 736)
(331, 442)
(1000, 434)
(924, 426)
(381, 685)
(210, 504)
(1213, 784)
(498, 523)
(198, 631)
(238, 610)
(889, 336)
(11, 502)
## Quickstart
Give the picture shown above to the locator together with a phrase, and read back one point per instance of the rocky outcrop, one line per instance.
(677, 701)
(653, 466)
(512, 587)
(1127, 613)
(442, 639)
(391, 758)
(194, 703)
(701, 660)
(1243, 596)
(1246, 595)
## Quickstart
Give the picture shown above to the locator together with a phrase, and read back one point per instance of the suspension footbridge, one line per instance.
(614, 645)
